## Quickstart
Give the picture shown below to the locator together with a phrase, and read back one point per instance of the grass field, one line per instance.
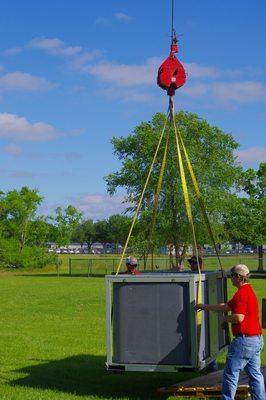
(52, 342)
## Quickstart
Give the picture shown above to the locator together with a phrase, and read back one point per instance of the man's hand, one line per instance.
(201, 307)
(223, 323)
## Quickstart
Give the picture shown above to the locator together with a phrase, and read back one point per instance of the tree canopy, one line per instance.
(66, 222)
(211, 152)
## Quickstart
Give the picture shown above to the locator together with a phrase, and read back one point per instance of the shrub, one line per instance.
(29, 257)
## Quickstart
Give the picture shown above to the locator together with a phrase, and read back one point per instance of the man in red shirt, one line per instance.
(245, 349)
(131, 264)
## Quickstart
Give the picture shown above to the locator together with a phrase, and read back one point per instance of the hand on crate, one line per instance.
(200, 307)
(223, 323)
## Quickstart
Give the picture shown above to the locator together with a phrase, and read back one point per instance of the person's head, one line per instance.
(193, 263)
(131, 263)
(239, 274)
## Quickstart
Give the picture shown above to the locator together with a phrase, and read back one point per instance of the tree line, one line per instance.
(234, 198)
(24, 235)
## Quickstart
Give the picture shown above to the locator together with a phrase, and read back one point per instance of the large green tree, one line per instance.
(211, 152)
(85, 233)
(41, 231)
(102, 231)
(246, 221)
(23, 234)
(66, 222)
(18, 209)
(118, 227)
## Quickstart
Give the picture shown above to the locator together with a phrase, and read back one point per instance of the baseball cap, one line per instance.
(240, 269)
(132, 261)
(193, 260)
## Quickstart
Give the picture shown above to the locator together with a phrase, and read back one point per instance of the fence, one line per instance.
(104, 266)
(100, 266)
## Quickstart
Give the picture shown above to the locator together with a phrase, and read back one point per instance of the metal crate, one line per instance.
(151, 321)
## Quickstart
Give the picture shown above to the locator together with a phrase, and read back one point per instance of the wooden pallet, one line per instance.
(202, 392)
(206, 386)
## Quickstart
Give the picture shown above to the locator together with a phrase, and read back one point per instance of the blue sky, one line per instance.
(75, 73)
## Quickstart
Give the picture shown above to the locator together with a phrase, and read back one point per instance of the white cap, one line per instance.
(131, 261)
(240, 269)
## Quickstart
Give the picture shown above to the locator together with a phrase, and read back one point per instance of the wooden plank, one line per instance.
(208, 385)
(202, 392)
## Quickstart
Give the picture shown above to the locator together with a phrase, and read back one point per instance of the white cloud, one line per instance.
(120, 16)
(196, 90)
(79, 63)
(17, 128)
(122, 77)
(127, 94)
(116, 17)
(243, 92)
(54, 46)
(12, 51)
(198, 71)
(126, 75)
(98, 206)
(13, 150)
(252, 154)
(237, 92)
(103, 21)
(24, 81)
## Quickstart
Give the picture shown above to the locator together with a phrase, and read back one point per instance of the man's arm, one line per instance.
(213, 307)
(233, 318)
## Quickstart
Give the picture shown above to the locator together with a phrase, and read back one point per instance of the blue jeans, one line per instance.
(244, 353)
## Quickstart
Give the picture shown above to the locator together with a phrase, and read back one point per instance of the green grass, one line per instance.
(52, 342)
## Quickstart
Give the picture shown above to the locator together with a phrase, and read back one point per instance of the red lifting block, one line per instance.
(171, 75)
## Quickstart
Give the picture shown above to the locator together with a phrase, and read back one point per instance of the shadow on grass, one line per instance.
(85, 375)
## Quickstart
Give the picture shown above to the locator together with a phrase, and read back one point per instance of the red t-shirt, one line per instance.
(136, 272)
(245, 302)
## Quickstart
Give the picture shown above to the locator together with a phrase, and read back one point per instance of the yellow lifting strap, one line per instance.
(159, 186)
(188, 208)
(141, 197)
(199, 197)
(190, 218)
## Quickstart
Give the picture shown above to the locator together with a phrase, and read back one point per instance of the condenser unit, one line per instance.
(152, 325)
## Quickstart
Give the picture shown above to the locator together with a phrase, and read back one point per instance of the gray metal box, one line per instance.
(151, 321)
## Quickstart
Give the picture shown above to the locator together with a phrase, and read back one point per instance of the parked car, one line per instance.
(248, 249)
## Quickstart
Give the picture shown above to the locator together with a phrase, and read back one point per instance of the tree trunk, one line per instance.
(179, 257)
(171, 256)
(23, 235)
(260, 258)
(176, 247)
(182, 256)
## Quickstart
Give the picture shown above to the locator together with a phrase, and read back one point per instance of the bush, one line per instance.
(29, 257)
